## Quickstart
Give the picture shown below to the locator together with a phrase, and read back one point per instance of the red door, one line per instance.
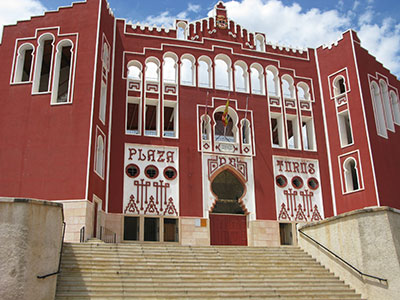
(228, 229)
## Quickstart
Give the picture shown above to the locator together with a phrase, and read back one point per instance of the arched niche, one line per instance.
(229, 188)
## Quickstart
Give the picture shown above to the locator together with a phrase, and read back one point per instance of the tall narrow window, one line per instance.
(206, 128)
(345, 132)
(307, 132)
(62, 72)
(292, 127)
(181, 31)
(288, 86)
(205, 72)
(260, 42)
(386, 105)
(241, 77)
(188, 70)
(103, 101)
(277, 130)
(395, 107)
(169, 68)
(100, 156)
(43, 63)
(24, 63)
(170, 119)
(134, 71)
(257, 79)
(378, 110)
(351, 175)
(339, 85)
(223, 72)
(151, 118)
(246, 131)
(152, 69)
(133, 116)
(272, 81)
(303, 91)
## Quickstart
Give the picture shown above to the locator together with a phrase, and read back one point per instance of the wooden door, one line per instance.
(228, 229)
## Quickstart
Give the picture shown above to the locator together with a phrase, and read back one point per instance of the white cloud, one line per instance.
(13, 10)
(194, 7)
(289, 25)
(383, 41)
(165, 18)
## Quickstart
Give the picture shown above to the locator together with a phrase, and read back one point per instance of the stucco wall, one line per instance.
(30, 240)
(369, 239)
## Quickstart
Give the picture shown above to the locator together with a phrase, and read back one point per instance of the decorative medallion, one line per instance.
(222, 22)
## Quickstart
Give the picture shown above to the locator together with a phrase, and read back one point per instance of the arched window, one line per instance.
(152, 71)
(188, 70)
(225, 131)
(169, 68)
(241, 77)
(395, 107)
(303, 91)
(181, 31)
(288, 86)
(134, 70)
(351, 175)
(41, 82)
(62, 72)
(24, 63)
(99, 166)
(272, 81)
(205, 128)
(339, 85)
(223, 72)
(345, 131)
(378, 110)
(257, 79)
(277, 132)
(260, 42)
(246, 134)
(205, 72)
(386, 105)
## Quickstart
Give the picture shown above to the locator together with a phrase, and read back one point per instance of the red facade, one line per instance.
(134, 116)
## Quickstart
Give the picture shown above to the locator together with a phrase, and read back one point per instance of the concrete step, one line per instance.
(158, 271)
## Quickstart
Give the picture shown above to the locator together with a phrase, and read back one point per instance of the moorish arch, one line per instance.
(229, 188)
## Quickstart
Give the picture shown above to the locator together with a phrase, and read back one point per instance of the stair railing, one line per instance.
(344, 261)
(107, 236)
(59, 260)
(82, 235)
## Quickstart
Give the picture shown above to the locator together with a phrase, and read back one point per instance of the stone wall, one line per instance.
(369, 239)
(30, 240)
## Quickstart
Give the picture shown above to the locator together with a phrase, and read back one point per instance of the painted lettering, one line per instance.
(150, 155)
(160, 154)
(170, 156)
(296, 167)
(280, 164)
(303, 167)
(311, 169)
(232, 162)
(288, 165)
(141, 157)
(132, 152)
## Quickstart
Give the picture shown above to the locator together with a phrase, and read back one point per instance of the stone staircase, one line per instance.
(149, 271)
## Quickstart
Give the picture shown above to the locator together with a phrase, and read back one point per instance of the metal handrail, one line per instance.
(82, 235)
(59, 260)
(342, 260)
(107, 236)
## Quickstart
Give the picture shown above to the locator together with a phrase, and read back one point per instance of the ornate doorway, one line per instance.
(228, 214)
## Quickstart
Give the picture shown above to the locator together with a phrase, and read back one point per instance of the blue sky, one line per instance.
(303, 23)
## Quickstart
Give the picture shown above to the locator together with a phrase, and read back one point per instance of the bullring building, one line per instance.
(199, 134)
